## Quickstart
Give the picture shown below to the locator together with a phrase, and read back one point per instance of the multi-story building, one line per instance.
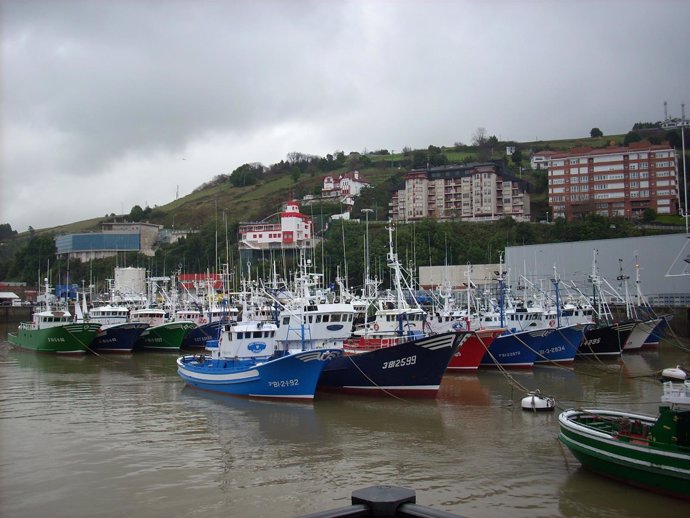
(294, 230)
(477, 192)
(115, 238)
(613, 181)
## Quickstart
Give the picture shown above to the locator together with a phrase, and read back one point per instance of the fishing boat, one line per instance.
(117, 334)
(408, 368)
(54, 331)
(472, 348)
(242, 364)
(637, 449)
(604, 341)
(205, 329)
(513, 350)
(161, 335)
(605, 337)
(560, 345)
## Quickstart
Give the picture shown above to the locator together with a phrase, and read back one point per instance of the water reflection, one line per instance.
(585, 495)
(274, 422)
(123, 435)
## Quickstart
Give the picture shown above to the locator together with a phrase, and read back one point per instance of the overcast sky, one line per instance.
(107, 104)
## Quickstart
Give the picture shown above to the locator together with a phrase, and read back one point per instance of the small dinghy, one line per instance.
(535, 402)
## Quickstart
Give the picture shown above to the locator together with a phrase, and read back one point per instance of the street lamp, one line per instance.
(685, 177)
(366, 246)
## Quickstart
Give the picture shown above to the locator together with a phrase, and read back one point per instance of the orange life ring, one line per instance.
(376, 326)
(552, 323)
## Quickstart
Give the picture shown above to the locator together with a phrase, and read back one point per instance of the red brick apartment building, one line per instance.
(614, 181)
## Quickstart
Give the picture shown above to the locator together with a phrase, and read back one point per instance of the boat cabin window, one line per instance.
(257, 334)
(286, 320)
(326, 318)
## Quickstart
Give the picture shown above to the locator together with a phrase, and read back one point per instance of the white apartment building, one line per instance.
(472, 192)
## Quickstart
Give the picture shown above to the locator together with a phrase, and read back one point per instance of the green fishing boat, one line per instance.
(641, 450)
(54, 332)
(161, 335)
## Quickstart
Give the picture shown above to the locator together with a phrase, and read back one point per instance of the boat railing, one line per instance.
(27, 326)
(373, 343)
(380, 501)
(676, 393)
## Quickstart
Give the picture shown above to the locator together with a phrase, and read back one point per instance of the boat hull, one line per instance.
(165, 337)
(409, 369)
(293, 376)
(472, 349)
(196, 338)
(605, 341)
(64, 339)
(657, 333)
(118, 338)
(512, 351)
(631, 461)
(559, 345)
(638, 336)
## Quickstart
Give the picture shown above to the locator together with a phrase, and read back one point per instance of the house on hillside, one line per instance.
(347, 185)
(293, 230)
(540, 159)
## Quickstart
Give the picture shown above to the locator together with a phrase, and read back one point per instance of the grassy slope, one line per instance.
(258, 201)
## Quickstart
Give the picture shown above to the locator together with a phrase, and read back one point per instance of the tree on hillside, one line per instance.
(136, 214)
(673, 138)
(34, 257)
(631, 136)
(517, 157)
(479, 137)
(6, 231)
(596, 132)
(247, 174)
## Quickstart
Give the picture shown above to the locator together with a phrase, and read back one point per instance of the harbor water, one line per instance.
(115, 436)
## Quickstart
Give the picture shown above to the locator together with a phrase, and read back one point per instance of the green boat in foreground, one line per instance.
(641, 450)
(54, 332)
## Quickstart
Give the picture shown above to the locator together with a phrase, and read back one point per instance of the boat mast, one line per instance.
(393, 264)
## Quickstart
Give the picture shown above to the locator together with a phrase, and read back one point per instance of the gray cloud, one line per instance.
(98, 95)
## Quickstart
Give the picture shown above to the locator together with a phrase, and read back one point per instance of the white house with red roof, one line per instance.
(347, 185)
(293, 230)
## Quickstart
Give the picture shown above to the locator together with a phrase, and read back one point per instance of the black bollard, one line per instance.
(383, 500)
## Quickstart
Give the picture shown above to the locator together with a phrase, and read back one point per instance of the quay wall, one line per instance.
(15, 313)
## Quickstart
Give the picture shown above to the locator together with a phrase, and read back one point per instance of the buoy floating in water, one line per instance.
(535, 402)
(674, 374)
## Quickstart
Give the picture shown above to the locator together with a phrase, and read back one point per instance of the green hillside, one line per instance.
(254, 192)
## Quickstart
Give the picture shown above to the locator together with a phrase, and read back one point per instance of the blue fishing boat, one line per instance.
(118, 338)
(559, 345)
(117, 333)
(242, 364)
(514, 350)
(196, 338)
